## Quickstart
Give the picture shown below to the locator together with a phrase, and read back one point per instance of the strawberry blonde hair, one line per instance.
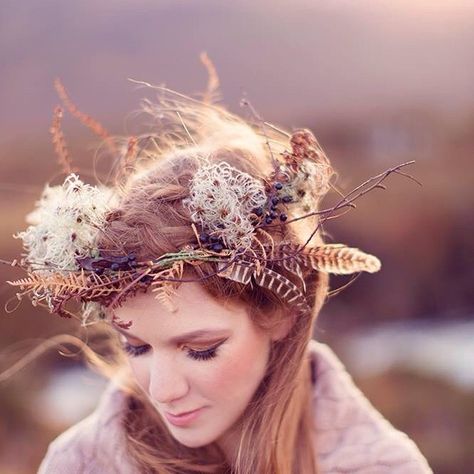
(277, 435)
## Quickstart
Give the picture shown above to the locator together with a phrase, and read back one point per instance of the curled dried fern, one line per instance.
(73, 285)
(164, 284)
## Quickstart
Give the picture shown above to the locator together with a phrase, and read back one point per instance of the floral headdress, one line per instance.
(230, 212)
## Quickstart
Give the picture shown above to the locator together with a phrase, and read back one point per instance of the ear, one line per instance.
(282, 327)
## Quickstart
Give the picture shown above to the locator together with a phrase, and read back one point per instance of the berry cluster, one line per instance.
(272, 210)
(211, 242)
(114, 263)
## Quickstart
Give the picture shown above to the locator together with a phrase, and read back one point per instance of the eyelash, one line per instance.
(205, 354)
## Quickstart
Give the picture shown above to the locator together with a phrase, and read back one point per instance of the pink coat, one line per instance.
(352, 437)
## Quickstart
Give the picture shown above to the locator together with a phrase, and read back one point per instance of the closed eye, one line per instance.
(204, 354)
(135, 351)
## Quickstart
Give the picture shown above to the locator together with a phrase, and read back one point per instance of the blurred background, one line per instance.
(379, 83)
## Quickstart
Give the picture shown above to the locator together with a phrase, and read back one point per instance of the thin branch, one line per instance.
(279, 130)
(186, 128)
(246, 102)
(338, 290)
(356, 193)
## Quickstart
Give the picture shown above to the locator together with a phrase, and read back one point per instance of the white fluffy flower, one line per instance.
(310, 183)
(65, 224)
(222, 199)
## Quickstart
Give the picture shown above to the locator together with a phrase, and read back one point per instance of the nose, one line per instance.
(167, 382)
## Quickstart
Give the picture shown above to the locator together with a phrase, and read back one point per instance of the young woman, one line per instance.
(206, 261)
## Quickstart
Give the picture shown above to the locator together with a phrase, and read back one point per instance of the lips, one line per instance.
(184, 418)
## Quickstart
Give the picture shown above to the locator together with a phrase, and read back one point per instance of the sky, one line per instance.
(294, 60)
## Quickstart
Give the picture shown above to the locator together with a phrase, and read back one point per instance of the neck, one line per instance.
(229, 444)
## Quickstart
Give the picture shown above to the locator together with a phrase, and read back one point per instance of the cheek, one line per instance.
(238, 373)
(140, 370)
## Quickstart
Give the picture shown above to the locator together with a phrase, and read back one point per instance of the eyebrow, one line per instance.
(187, 337)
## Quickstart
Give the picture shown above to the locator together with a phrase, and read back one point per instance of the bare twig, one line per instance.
(338, 290)
(348, 199)
(186, 128)
(245, 102)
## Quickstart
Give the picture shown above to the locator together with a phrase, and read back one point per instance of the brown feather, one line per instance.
(269, 279)
(282, 287)
(339, 259)
(236, 272)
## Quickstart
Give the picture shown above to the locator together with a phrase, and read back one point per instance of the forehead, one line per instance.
(194, 310)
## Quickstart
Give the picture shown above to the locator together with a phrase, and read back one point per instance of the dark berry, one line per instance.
(99, 271)
(268, 220)
(275, 200)
(278, 185)
(287, 199)
(283, 217)
(132, 257)
(258, 211)
(203, 237)
(213, 239)
(217, 247)
(114, 267)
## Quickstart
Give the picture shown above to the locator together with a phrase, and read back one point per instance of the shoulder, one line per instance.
(95, 445)
(351, 435)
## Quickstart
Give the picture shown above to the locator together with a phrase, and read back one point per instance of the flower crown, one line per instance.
(230, 212)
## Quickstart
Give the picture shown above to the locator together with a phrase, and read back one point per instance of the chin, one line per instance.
(192, 438)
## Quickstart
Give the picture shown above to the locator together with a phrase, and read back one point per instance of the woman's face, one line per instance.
(207, 358)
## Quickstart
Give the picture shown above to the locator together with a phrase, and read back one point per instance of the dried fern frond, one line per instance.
(131, 154)
(164, 285)
(212, 81)
(85, 119)
(73, 284)
(59, 141)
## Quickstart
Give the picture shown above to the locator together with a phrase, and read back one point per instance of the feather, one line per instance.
(339, 259)
(236, 272)
(293, 267)
(268, 279)
(282, 287)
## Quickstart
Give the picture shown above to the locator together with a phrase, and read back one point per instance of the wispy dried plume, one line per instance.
(213, 83)
(59, 141)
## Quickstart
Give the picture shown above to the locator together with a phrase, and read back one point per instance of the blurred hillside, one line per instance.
(379, 83)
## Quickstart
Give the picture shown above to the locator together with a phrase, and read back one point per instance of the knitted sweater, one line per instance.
(352, 437)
